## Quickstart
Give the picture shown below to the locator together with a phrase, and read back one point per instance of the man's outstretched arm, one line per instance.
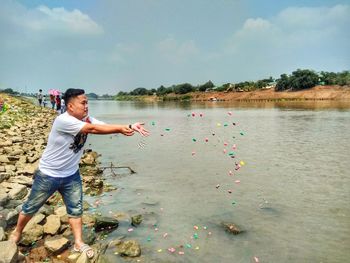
(127, 130)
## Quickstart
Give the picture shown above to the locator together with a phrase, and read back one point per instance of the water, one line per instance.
(294, 191)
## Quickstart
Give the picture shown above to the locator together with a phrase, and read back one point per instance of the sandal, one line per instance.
(84, 248)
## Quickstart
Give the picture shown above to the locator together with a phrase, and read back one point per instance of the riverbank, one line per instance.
(316, 93)
(47, 237)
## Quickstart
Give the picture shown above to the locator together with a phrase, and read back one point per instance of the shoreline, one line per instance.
(315, 93)
(24, 129)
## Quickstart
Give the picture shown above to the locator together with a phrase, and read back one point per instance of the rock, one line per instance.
(89, 235)
(20, 179)
(105, 223)
(17, 139)
(17, 152)
(18, 192)
(10, 168)
(6, 143)
(12, 217)
(38, 254)
(33, 159)
(82, 258)
(61, 211)
(13, 158)
(4, 176)
(100, 250)
(88, 220)
(2, 169)
(64, 219)
(8, 252)
(129, 248)
(3, 196)
(4, 159)
(103, 259)
(46, 210)
(32, 234)
(27, 170)
(21, 258)
(13, 204)
(2, 234)
(136, 220)
(231, 228)
(93, 182)
(121, 216)
(89, 160)
(52, 225)
(56, 244)
(73, 257)
(86, 205)
(36, 219)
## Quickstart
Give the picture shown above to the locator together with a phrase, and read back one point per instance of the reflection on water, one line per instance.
(291, 198)
(291, 104)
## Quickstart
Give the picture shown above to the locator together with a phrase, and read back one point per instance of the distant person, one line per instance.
(53, 101)
(40, 97)
(44, 101)
(59, 165)
(1, 104)
(63, 105)
(58, 103)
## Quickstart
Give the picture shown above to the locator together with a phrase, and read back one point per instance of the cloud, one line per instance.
(310, 37)
(177, 52)
(55, 20)
(59, 19)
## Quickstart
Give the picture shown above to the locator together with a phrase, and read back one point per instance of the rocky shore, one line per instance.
(47, 237)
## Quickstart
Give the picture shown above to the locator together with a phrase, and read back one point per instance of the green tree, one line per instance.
(139, 91)
(282, 83)
(183, 88)
(205, 86)
(303, 79)
(92, 95)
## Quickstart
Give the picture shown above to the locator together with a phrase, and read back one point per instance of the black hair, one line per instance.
(72, 93)
(40, 90)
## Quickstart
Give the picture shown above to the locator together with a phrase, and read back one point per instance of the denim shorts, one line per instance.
(44, 186)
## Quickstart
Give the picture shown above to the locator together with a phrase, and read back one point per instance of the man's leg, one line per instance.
(72, 193)
(76, 225)
(21, 223)
(43, 187)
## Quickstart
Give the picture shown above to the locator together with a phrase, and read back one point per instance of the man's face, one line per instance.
(78, 107)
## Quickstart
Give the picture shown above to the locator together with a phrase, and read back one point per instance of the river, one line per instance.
(287, 187)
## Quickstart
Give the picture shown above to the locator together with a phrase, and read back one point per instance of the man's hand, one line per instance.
(127, 131)
(138, 127)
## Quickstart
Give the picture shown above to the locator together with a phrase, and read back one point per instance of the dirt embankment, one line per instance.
(316, 93)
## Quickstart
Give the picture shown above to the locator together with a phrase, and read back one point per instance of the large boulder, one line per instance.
(128, 248)
(4, 159)
(106, 223)
(136, 220)
(31, 235)
(53, 224)
(231, 228)
(3, 196)
(20, 179)
(61, 211)
(56, 244)
(8, 252)
(18, 192)
(12, 217)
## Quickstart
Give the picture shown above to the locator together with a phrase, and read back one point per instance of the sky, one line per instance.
(107, 46)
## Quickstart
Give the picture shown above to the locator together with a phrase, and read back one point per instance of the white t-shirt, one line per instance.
(62, 154)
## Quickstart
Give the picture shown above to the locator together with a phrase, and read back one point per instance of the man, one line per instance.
(40, 97)
(59, 164)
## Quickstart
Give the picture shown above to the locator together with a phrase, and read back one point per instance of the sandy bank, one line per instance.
(316, 93)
